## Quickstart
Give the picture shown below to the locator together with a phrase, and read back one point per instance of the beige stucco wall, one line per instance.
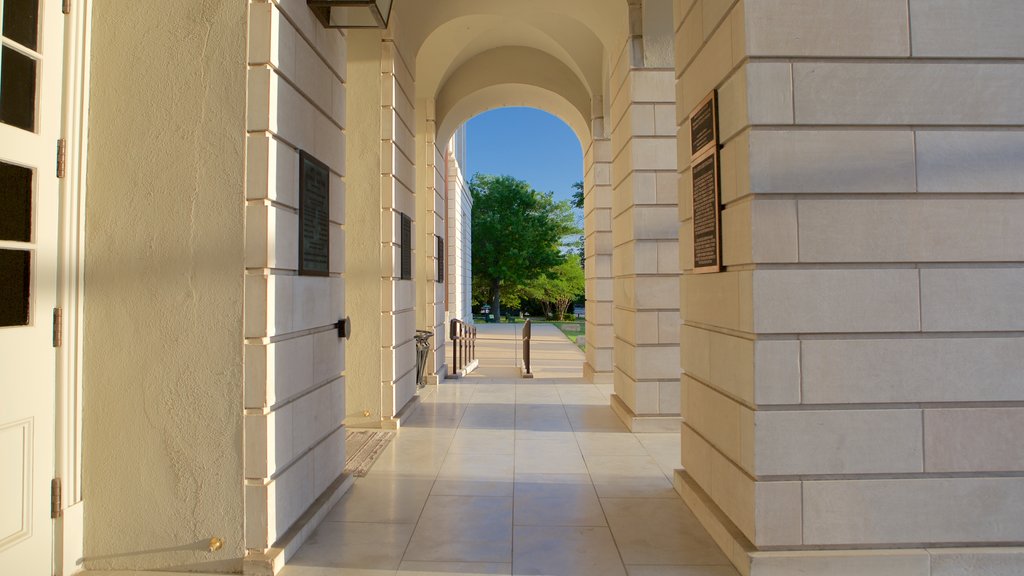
(853, 377)
(363, 210)
(162, 423)
(381, 153)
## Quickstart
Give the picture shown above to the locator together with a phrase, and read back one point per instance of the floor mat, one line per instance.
(362, 447)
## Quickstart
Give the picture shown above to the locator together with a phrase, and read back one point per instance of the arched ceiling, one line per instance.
(461, 39)
(606, 19)
(528, 96)
(548, 54)
(514, 66)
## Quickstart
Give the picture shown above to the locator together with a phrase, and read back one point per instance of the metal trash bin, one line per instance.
(422, 348)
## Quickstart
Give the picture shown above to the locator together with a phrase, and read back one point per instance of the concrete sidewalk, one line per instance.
(552, 355)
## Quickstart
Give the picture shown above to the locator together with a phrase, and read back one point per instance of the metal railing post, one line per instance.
(527, 330)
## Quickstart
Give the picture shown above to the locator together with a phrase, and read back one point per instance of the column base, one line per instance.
(595, 377)
(395, 422)
(991, 561)
(640, 424)
(271, 561)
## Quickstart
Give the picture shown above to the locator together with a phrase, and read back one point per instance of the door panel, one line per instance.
(31, 65)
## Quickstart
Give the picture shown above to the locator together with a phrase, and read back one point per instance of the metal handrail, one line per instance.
(527, 331)
(463, 337)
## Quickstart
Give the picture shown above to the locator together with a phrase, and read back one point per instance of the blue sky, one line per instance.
(528, 144)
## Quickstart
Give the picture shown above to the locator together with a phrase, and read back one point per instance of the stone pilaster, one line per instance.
(597, 225)
(398, 180)
(645, 257)
(851, 376)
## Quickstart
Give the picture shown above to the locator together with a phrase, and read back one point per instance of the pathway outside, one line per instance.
(499, 475)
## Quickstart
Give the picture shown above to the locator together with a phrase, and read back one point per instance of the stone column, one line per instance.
(852, 378)
(398, 180)
(430, 205)
(294, 360)
(645, 261)
(597, 226)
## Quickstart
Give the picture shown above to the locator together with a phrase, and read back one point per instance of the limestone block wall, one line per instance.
(398, 180)
(294, 360)
(597, 229)
(852, 378)
(162, 450)
(645, 258)
(431, 204)
(460, 241)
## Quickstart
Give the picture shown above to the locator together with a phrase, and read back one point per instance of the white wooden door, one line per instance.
(30, 108)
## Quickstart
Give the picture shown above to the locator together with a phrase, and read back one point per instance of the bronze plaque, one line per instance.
(314, 216)
(704, 126)
(707, 214)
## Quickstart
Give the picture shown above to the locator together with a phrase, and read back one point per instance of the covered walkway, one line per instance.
(499, 475)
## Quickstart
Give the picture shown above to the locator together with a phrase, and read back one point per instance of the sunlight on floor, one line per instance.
(510, 476)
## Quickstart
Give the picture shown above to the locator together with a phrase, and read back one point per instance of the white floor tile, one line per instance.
(353, 545)
(556, 500)
(383, 499)
(409, 568)
(463, 529)
(566, 551)
(681, 571)
(502, 476)
(659, 531)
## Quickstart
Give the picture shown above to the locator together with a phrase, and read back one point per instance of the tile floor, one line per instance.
(503, 476)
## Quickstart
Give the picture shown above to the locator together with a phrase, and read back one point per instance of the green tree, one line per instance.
(577, 202)
(577, 194)
(557, 288)
(516, 233)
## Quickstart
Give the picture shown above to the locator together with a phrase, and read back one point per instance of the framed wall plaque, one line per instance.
(707, 214)
(314, 216)
(707, 198)
(704, 126)
(440, 260)
(405, 244)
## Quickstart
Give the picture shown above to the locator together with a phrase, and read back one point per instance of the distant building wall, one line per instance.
(460, 232)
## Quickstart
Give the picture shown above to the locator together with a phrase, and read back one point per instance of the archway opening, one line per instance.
(531, 156)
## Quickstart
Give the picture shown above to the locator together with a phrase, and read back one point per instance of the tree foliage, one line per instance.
(516, 234)
(577, 194)
(557, 288)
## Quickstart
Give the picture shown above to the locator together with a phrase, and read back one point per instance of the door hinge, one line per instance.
(61, 156)
(66, 7)
(56, 506)
(58, 327)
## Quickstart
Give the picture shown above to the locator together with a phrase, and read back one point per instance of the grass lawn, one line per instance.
(573, 330)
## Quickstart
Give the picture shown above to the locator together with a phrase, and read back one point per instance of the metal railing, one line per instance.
(527, 330)
(463, 338)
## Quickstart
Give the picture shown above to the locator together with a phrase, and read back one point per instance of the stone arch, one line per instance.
(513, 76)
(462, 39)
